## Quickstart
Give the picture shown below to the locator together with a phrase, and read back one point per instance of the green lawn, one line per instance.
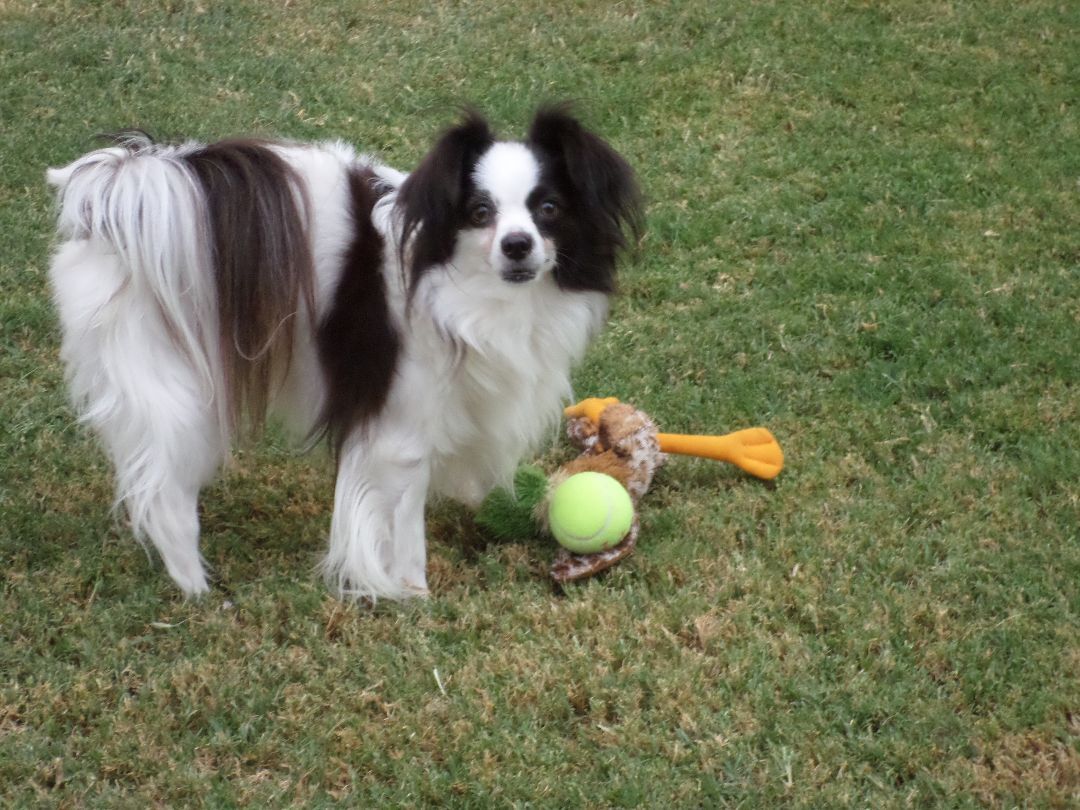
(863, 233)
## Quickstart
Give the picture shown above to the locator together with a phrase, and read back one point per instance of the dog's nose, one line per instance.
(517, 245)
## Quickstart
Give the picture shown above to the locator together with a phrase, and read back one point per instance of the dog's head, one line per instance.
(561, 202)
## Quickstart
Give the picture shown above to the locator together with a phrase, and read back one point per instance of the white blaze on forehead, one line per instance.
(508, 172)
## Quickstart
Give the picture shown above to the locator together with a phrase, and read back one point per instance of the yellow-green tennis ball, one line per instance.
(590, 512)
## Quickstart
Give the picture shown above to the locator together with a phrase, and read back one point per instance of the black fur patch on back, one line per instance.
(358, 340)
(262, 263)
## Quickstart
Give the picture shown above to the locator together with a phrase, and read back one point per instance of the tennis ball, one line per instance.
(590, 512)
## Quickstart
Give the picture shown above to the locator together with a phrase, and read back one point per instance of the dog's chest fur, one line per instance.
(504, 377)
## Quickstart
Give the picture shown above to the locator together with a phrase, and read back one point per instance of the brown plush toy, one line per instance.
(623, 444)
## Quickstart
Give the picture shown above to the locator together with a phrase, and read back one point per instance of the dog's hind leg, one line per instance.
(171, 523)
(165, 446)
(154, 413)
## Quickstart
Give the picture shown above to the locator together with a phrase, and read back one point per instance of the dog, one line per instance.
(424, 325)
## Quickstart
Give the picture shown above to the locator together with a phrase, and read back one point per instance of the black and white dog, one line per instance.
(425, 323)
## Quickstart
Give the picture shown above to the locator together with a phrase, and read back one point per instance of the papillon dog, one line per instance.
(425, 324)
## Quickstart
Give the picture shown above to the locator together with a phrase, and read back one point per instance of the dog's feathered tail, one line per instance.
(215, 237)
(142, 203)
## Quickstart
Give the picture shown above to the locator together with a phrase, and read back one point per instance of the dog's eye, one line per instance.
(549, 209)
(480, 215)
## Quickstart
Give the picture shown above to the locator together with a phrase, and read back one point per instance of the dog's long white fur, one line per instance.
(132, 283)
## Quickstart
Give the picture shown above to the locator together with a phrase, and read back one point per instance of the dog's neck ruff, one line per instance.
(505, 355)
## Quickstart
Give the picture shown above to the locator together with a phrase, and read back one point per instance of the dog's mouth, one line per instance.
(518, 275)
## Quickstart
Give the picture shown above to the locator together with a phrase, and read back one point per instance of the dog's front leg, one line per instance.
(377, 545)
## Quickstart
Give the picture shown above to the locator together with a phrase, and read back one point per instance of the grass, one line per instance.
(862, 233)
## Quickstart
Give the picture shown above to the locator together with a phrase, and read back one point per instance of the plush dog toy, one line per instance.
(621, 441)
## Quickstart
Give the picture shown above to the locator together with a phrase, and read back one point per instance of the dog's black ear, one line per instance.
(431, 198)
(603, 180)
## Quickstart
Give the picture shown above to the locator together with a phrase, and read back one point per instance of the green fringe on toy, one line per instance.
(511, 515)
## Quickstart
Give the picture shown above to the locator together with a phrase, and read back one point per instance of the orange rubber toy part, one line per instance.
(754, 450)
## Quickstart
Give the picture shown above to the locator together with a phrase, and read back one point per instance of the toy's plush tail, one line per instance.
(753, 450)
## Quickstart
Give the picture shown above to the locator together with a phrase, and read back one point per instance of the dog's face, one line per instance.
(557, 203)
(510, 215)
